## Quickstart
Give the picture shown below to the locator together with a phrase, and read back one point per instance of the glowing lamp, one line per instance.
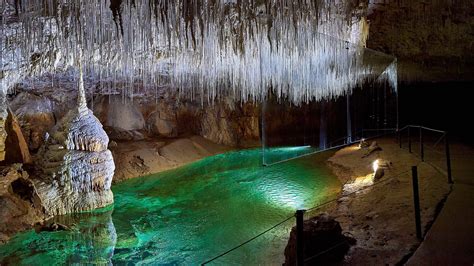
(375, 165)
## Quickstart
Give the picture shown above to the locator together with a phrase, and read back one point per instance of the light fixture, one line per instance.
(375, 165)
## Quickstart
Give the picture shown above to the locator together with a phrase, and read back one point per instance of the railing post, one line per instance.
(400, 138)
(448, 159)
(416, 199)
(422, 152)
(299, 238)
(409, 140)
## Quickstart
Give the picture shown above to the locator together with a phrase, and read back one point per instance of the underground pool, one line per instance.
(188, 215)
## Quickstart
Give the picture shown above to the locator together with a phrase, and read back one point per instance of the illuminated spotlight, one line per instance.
(362, 143)
(375, 165)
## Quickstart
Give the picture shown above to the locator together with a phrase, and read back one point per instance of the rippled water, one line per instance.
(188, 215)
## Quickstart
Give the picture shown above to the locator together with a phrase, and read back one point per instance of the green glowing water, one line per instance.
(188, 215)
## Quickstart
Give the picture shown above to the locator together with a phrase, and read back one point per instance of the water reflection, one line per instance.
(188, 215)
(90, 239)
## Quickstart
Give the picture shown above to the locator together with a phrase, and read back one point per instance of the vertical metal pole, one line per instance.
(416, 199)
(348, 118)
(299, 238)
(448, 159)
(409, 140)
(399, 138)
(422, 152)
(263, 131)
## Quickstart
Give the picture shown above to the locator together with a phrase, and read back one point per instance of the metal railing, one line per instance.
(422, 146)
(299, 214)
(341, 142)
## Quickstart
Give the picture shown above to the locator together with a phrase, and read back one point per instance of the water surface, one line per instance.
(188, 215)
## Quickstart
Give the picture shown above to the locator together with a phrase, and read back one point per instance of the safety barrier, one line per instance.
(300, 214)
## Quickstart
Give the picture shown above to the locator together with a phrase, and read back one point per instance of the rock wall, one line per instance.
(223, 122)
(3, 119)
(13, 147)
(76, 167)
(36, 117)
(433, 39)
(19, 204)
(231, 124)
(16, 148)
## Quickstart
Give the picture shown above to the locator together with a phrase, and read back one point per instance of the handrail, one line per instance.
(354, 141)
(385, 180)
(423, 127)
(389, 178)
(444, 135)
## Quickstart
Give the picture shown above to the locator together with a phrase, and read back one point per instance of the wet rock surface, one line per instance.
(19, 205)
(324, 242)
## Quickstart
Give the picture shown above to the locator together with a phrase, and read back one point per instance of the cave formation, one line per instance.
(179, 131)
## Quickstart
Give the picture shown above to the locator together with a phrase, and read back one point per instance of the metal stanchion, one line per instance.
(448, 159)
(409, 140)
(416, 199)
(422, 151)
(299, 238)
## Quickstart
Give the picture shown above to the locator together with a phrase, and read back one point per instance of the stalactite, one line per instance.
(205, 47)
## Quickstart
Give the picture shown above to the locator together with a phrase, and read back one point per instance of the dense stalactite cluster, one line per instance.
(302, 49)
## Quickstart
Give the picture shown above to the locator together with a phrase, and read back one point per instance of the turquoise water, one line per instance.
(188, 215)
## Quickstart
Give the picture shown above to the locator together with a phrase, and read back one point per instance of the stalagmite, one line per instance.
(76, 166)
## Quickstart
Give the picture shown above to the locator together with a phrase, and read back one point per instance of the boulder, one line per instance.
(124, 114)
(163, 124)
(121, 117)
(76, 167)
(374, 147)
(323, 242)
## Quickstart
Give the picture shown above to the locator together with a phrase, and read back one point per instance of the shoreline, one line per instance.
(135, 159)
(380, 215)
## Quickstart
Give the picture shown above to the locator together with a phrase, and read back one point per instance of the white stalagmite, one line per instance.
(81, 95)
(76, 166)
(202, 47)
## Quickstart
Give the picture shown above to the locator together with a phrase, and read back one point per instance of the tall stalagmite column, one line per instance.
(76, 166)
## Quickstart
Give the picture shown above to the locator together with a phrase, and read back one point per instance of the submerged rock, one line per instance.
(51, 227)
(76, 165)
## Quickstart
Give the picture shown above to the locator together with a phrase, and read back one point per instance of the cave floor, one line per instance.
(450, 241)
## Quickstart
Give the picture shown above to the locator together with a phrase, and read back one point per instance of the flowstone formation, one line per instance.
(76, 166)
